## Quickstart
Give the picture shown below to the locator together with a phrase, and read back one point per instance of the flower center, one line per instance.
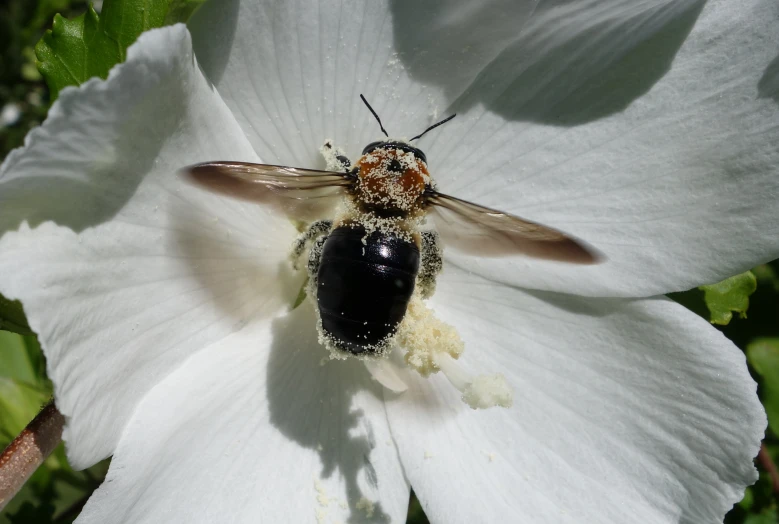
(426, 344)
(432, 345)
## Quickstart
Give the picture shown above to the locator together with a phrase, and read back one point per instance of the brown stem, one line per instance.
(764, 458)
(28, 451)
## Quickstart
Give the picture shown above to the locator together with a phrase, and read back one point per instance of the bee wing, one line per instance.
(479, 230)
(300, 193)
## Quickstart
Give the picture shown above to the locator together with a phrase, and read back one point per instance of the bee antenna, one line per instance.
(442, 122)
(377, 116)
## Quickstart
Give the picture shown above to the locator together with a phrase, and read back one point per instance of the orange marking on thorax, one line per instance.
(391, 189)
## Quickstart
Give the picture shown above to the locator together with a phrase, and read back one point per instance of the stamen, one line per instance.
(424, 336)
(432, 345)
(456, 376)
(480, 392)
(386, 373)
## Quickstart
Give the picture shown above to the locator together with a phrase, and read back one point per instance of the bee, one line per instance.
(365, 263)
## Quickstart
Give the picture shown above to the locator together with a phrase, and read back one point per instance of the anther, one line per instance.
(479, 392)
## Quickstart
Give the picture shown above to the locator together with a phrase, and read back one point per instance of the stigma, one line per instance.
(430, 346)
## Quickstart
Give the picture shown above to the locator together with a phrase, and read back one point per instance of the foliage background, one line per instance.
(56, 493)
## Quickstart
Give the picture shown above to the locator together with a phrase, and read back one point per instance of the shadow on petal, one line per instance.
(542, 76)
(443, 43)
(575, 304)
(116, 168)
(244, 280)
(312, 402)
(213, 31)
(88, 159)
(768, 86)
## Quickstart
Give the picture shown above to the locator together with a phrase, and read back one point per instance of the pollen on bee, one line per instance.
(387, 195)
(335, 158)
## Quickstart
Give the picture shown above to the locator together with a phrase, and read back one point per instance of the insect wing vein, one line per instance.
(483, 231)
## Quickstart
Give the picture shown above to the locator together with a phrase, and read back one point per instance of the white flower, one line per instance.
(649, 129)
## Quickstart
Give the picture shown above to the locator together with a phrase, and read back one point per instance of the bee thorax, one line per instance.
(391, 180)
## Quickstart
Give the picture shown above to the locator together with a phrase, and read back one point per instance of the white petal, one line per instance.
(297, 81)
(677, 190)
(260, 427)
(624, 411)
(160, 269)
(645, 128)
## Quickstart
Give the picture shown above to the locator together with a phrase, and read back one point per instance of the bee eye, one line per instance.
(395, 166)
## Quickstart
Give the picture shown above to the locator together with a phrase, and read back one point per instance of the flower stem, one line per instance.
(28, 451)
(764, 458)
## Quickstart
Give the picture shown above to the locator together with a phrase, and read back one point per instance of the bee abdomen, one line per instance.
(364, 285)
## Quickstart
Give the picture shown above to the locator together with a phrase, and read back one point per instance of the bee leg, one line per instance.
(302, 242)
(430, 263)
(345, 162)
(335, 157)
(314, 259)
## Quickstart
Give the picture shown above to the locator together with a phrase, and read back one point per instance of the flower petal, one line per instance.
(623, 411)
(160, 269)
(294, 83)
(645, 128)
(297, 81)
(677, 190)
(260, 427)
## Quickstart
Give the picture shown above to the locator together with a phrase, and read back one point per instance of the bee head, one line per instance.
(395, 144)
(399, 144)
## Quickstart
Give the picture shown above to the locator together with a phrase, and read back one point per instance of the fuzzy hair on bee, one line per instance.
(369, 257)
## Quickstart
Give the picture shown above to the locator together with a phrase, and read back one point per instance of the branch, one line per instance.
(768, 465)
(28, 451)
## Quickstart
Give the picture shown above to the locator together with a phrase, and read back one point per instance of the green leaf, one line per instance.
(416, 514)
(12, 317)
(22, 359)
(301, 294)
(19, 403)
(90, 45)
(24, 387)
(748, 500)
(732, 294)
(766, 276)
(767, 516)
(29, 512)
(181, 10)
(763, 356)
(15, 358)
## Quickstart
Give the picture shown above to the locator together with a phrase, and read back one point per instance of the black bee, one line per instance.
(365, 263)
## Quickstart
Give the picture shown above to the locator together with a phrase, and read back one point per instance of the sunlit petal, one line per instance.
(258, 427)
(621, 408)
(159, 269)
